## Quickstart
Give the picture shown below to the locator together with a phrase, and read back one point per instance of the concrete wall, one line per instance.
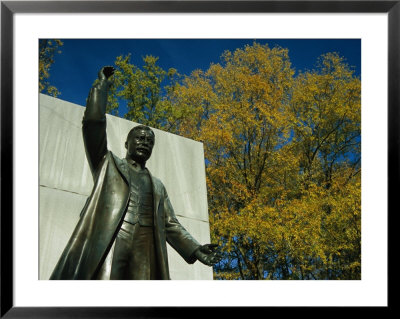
(66, 181)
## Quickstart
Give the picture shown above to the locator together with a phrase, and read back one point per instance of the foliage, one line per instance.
(282, 156)
(283, 163)
(47, 50)
(143, 89)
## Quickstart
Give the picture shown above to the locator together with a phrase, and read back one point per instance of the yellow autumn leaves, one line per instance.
(47, 51)
(283, 157)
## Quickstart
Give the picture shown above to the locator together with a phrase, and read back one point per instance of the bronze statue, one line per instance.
(128, 218)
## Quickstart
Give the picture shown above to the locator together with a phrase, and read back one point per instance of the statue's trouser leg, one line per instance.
(134, 253)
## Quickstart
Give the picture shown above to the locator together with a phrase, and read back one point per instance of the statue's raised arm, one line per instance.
(94, 119)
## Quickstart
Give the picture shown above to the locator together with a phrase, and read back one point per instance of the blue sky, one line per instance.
(76, 67)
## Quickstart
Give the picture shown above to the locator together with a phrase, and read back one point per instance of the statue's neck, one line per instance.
(136, 165)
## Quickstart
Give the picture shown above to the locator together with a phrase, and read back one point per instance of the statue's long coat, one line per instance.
(102, 216)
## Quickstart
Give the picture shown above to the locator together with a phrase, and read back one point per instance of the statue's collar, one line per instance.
(134, 164)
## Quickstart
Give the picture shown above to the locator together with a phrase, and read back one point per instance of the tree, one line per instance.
(245, 128)
(143, 90)
(47, 50)
(283, 163)
(326, 116)
(282, 152)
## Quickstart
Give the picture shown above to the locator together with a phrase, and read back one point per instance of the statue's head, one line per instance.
(139, 143)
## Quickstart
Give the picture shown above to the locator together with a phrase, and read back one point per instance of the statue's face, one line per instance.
(140, 145)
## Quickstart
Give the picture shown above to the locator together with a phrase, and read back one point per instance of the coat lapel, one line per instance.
(156, 195)
(122, 166)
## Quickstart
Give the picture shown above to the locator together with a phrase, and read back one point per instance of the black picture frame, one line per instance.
(9, 8)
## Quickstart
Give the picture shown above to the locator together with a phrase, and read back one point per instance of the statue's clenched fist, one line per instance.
(105, 75)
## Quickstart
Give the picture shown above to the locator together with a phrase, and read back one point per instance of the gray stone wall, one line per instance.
(65, 181)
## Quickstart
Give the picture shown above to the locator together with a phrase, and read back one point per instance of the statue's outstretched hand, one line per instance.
(208, 254)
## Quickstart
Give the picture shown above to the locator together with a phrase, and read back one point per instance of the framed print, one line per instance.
(372, 25)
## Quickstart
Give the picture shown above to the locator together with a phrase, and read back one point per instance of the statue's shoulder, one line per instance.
(157, 181)
(116, 159)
